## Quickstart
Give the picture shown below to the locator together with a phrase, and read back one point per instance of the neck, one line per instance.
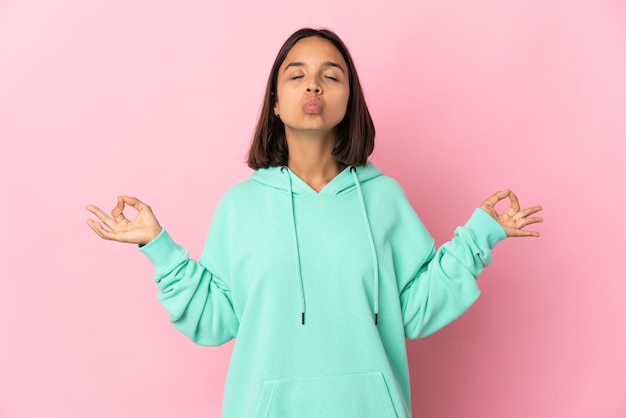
(311, 159)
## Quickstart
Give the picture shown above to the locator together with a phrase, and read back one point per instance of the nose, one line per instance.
(314, 87)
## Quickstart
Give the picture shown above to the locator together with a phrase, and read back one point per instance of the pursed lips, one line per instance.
(312, 106)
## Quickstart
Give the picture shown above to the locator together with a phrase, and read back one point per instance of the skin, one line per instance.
(312, 97)
(140, 230)
(514, 219)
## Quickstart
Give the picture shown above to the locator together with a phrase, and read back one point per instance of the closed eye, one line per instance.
(331, 78)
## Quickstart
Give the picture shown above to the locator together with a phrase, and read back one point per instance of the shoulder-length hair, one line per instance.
(355, 133)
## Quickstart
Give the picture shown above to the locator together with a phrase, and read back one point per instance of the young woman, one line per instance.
(317, 265)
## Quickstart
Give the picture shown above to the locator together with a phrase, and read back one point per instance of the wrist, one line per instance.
(151, 236)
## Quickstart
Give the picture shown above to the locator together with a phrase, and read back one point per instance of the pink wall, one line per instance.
(159, 99)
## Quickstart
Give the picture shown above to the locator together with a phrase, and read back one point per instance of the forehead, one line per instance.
(314, 50)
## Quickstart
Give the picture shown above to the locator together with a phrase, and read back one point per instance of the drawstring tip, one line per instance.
(375, 319)
(302, 318)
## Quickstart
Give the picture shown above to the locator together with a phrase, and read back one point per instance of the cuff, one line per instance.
(162, 251)
(486, 230)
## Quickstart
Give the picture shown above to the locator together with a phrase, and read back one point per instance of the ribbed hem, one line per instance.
(162, 251)
(486, 231)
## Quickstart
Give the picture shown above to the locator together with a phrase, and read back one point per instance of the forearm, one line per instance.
(198, 302)
(445, 285)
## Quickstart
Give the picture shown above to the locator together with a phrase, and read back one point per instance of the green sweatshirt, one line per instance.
(320, 291)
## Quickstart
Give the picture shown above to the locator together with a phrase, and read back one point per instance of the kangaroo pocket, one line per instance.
(362, 395)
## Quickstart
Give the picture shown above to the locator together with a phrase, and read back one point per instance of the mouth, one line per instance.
(312, 106)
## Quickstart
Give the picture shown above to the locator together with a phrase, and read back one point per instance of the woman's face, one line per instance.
(313, 87)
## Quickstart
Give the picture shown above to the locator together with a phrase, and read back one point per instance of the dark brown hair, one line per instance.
(355, 133)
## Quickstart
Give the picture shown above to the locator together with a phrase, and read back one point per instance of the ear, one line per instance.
(276, 110)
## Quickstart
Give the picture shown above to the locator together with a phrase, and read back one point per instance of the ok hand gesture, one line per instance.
(513, 219)
(140, 230)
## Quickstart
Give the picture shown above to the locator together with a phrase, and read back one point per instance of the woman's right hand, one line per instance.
(140, 230)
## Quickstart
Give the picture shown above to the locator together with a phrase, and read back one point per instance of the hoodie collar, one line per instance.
(342, 183)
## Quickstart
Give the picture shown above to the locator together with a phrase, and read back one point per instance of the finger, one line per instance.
(522, 233)
(514, 208)
(135, 203)
(533, 220)
(104, 218)
(92, 225)
(98, 229)
(528, 211)
(118, 210)
(496, 197)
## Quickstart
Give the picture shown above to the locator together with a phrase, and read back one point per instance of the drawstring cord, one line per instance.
(371, 241)
(285, 169)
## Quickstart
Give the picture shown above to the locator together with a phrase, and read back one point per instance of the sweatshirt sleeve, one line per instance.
(444, 286)
(199, 302)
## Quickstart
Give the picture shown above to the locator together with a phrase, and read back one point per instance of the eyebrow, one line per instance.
(325, 63)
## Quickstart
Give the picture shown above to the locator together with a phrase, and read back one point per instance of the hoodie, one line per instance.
(319, 290)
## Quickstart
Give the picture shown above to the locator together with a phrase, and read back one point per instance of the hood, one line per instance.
(343, 183)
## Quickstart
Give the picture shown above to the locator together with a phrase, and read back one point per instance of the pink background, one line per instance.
(159, 99)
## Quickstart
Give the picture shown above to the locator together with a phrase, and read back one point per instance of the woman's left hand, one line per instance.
(514, 219)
